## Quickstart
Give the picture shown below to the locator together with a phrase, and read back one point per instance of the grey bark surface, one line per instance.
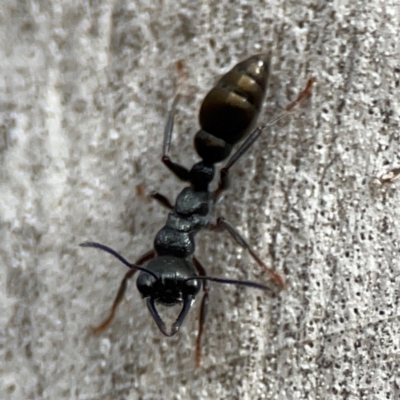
(85, 88)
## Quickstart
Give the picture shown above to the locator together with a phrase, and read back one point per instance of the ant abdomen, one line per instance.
(231, 108)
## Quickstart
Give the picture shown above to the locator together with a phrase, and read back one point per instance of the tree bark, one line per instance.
(85, 89)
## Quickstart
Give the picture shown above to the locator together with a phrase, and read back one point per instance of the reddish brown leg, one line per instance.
(302, 95)
(223, 183)
(162, 200)
(203, 310)
(222, 225)
(121, 291)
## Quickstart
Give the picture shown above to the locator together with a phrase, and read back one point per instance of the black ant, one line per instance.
(173, 275)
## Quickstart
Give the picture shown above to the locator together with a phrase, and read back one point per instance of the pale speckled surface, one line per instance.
(83, 99)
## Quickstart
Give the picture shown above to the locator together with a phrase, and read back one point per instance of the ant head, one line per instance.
(167, 283)
(169, 280)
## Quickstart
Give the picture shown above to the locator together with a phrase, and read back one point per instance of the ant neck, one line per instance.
(201, 175)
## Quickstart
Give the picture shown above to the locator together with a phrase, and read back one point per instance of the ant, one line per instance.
(172, 274)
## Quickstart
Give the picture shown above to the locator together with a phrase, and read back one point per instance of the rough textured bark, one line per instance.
(85, 88)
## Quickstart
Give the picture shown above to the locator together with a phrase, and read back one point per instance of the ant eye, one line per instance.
(192, 287)
(145, 284)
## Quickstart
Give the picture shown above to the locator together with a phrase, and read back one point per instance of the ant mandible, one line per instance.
(173, 275)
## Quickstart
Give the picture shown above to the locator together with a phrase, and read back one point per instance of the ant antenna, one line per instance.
(252, 284)
(116, 255)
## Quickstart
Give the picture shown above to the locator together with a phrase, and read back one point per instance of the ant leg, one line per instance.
(223, 183)
(104, 324)
(121, 291)
(162, 200)
(222, 225)
(181, 172)
(203, 309)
